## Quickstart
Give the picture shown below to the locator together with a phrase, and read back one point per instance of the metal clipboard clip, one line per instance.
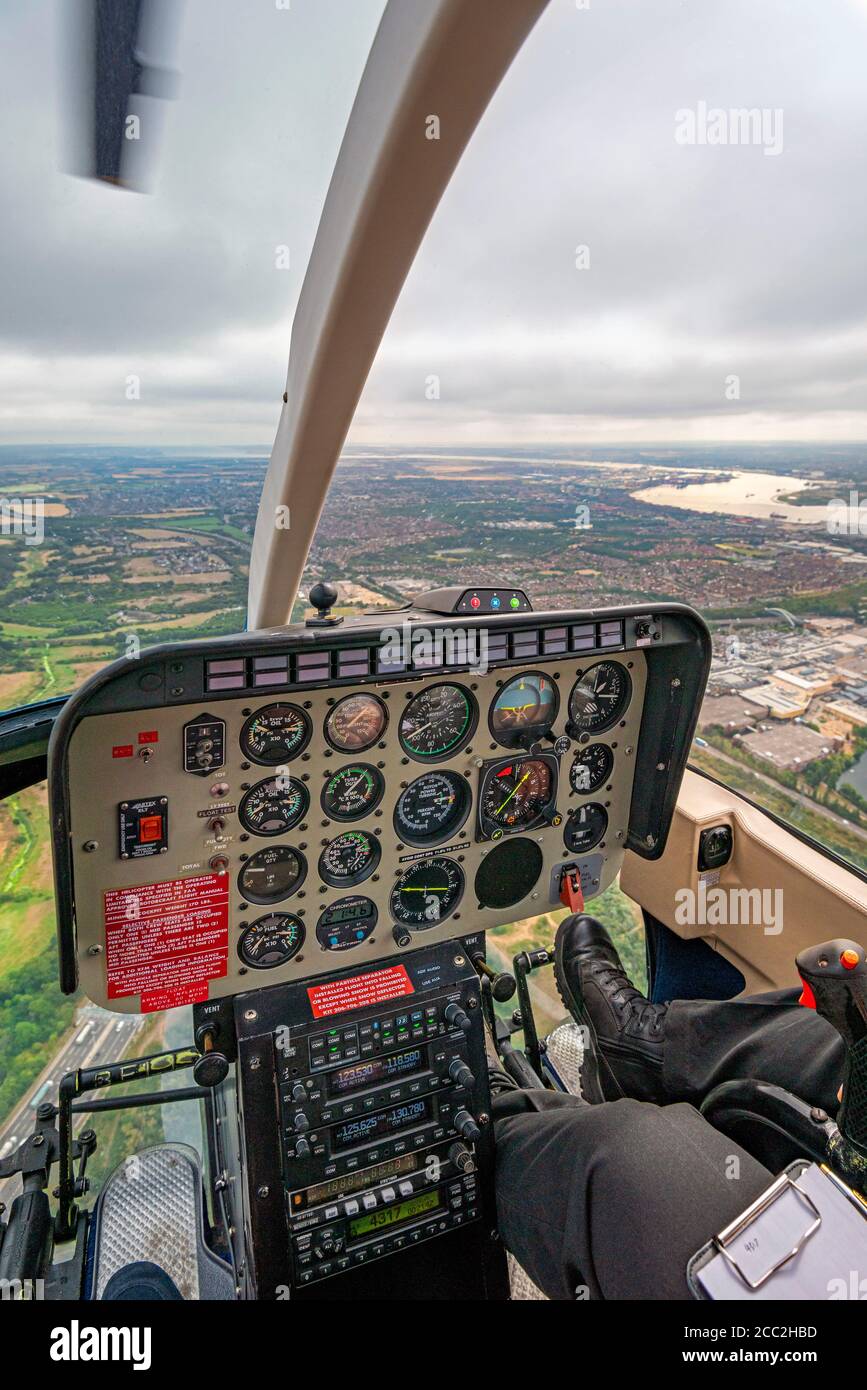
(761, 1204)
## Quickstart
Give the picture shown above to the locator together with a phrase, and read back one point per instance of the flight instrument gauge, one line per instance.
(585, 828)
(272, 807)
(272, 874)
(517, 794)
(274, 734)
(356, 723)
(349, 858)
(591, 767)
(427, 893)
(599, 697)
(352, 791)
(346, 923)
(437, 722)
(271, 941)
(525, 708)
(432, 808)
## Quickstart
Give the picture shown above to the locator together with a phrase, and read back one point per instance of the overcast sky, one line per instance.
(706, 262)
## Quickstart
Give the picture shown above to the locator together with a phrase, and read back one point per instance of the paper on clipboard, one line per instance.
(822, 1265)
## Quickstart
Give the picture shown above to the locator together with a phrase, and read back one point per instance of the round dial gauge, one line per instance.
(274, 734)
(585, 828)
(271, 941)
(516, 793)
(528, 704)
(600, 697)
(432, 808)
(591, 767)
(349, 858)
(352, 791)
(346, 923)
(356, 723)
(272, 874)
(437, 722)
(427, 893)
(272, 807)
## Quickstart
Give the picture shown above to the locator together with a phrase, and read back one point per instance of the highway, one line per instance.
(98, 1036)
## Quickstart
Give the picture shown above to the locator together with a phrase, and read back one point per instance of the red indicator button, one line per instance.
(849, 959)
(150, 828)
(475, 601)
(149, 736)
(122, 750)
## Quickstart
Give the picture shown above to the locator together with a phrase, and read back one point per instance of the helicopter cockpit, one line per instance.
(303, 836)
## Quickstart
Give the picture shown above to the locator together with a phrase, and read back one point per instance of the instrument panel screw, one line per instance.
(675, 684)
(459, 960)
(473, 1001)
(94, 950)
(262, 1192)
(250, 1015)
(90, 845)
(484, 1118)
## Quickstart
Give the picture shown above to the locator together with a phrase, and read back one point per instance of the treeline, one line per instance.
(33, 1015)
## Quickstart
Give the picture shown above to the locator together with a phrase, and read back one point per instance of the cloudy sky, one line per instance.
(706, 262)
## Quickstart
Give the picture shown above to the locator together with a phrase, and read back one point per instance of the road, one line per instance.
(815, 806)
(106, 1039)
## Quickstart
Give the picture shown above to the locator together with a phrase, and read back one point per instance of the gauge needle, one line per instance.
(512, 793)
(422, 890)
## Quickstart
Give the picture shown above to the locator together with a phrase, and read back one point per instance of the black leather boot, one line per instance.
(627, 1029)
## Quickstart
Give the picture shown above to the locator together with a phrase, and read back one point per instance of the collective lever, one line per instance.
(835, 985)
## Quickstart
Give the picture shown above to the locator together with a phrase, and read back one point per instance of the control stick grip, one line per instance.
(835, 985)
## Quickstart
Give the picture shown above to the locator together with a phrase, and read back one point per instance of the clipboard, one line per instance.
(798, 1240)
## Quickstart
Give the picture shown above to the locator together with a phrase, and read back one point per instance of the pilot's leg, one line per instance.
(681, 1050)
(610, 1201)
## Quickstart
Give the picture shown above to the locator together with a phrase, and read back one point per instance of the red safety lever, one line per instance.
(571, 895)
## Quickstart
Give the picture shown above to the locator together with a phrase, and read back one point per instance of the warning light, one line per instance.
(514, 601)
(150, 828)
(122, 750)
(849, 959)
(149, 736)
(495, 602)
(475, 601)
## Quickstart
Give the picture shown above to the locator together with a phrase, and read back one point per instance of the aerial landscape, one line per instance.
(147, 545)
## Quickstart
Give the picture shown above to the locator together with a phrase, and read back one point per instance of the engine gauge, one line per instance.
(585, 828)
(526, 706)
(591, 767)
(352, 791)
(274, 734)
(272, 874)
(349, 858)
(346, 923)
(356, 723)
(432, 808)
(271, 941)
(516, 794)
(599, 697)
(427, 893)
(274, 806)
(437, 722)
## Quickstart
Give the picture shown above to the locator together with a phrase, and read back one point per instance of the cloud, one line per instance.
(703, 261)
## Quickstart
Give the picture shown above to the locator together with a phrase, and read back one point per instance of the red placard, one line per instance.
(340, 996)
(165, 941)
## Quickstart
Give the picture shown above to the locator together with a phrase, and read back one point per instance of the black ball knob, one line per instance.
(302, 1148)
(210, 1069)
(323, 597)
(460, 1073)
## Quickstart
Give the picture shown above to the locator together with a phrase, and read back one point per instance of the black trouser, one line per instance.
(613, 1199)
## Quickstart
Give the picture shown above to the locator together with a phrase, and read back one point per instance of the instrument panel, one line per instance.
(236, 840)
